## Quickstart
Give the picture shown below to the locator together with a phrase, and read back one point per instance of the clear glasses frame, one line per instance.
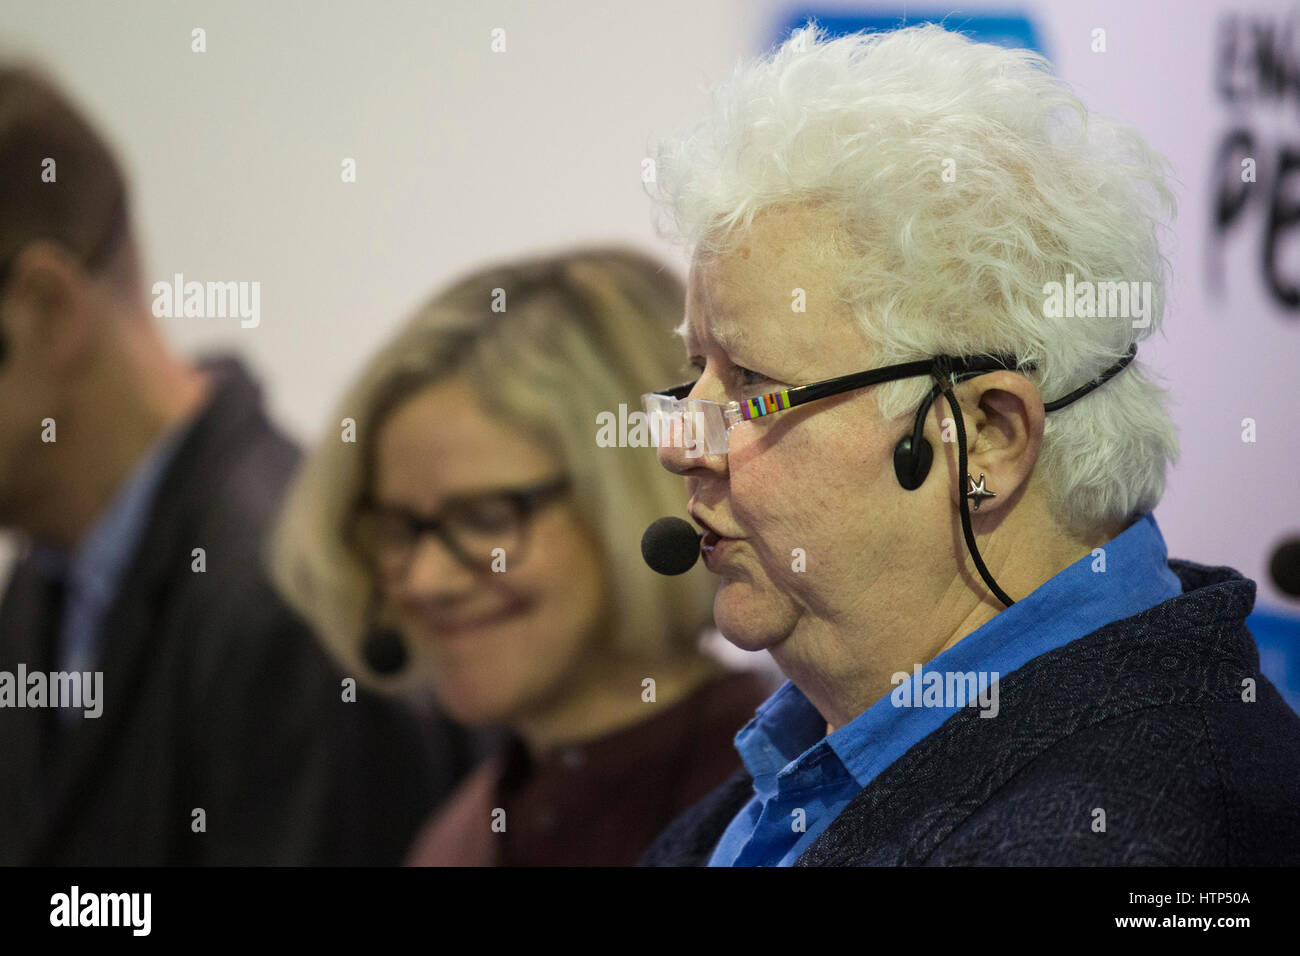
(704, 427)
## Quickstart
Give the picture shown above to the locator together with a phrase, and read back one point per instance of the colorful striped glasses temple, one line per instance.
(765, 404)
(714, 420)
(708, 423)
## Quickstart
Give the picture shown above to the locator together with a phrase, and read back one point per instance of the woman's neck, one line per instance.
(610, 694)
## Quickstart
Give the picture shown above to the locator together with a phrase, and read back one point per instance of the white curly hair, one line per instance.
(865, 126)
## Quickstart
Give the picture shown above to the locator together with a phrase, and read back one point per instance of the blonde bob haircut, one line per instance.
(546, 344)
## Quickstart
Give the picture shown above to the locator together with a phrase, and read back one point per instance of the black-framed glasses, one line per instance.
(705, 426)
(471, 527)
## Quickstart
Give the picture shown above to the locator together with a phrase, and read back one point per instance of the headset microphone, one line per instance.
(670, 546)
(1285, 568)
(384, 651)
(382, 648)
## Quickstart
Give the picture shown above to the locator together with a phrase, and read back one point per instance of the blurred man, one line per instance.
(158, 704)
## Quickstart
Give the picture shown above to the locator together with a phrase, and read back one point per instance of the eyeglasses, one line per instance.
(471, 527)
(704, 427)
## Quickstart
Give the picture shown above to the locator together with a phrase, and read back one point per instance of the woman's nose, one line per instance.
(433, 569)
(683, 450)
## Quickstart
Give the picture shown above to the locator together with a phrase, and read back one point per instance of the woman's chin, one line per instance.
(472, 716)
(474, 705)
(748, 618)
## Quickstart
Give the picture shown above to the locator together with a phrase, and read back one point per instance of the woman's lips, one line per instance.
(713, 547)
(460, 627)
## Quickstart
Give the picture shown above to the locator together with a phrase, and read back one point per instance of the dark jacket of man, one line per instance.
(1161, 721)
(215, 696)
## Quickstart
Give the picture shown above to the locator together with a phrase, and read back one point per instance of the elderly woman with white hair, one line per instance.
(928, 491)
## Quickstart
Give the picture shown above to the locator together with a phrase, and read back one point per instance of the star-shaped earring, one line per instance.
(978, 492)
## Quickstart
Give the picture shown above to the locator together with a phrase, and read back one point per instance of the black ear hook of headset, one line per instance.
(913, 455)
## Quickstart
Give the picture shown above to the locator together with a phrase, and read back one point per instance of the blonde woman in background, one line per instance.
(477, 515)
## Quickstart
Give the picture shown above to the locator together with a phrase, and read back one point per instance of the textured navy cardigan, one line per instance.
(1162, 721)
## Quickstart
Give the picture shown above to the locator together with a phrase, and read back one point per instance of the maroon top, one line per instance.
(600, 803)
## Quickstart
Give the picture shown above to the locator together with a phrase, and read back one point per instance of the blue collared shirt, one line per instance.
(803, 778)
(93, 573)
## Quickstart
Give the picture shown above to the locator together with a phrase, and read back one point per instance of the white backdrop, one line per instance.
(465, 155)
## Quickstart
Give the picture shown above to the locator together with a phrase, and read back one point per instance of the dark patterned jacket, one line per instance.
(1161, 721)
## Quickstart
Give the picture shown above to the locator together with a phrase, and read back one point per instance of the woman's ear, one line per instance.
(1003, 418)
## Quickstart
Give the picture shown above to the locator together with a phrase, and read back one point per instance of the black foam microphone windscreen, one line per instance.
(670, 546)
(384, 651)
(1285, 567)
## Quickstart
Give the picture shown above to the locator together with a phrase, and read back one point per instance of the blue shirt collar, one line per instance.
(1126, 576)
(95, 568)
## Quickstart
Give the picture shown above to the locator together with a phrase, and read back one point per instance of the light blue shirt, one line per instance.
(93, 573)
(803, 778)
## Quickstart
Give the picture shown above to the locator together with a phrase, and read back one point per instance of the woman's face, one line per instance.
(495, 644)
(815, 525)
